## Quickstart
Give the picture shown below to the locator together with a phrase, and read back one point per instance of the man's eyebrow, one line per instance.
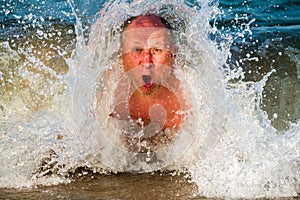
(156, 43)
(136, 42)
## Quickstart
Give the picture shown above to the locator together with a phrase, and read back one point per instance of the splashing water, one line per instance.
(49, 124)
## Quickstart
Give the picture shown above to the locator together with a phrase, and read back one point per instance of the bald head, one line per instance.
(145, 21)
(145, 25)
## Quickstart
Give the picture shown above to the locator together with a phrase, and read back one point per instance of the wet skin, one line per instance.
(148, 55)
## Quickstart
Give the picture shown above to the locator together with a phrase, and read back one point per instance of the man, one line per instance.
(148, 95)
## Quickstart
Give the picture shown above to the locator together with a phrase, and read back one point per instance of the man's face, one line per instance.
(147, 53)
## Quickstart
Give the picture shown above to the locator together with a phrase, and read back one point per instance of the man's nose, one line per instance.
(147, 56)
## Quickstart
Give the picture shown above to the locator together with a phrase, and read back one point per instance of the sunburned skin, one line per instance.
(141, 104)
(155, 98)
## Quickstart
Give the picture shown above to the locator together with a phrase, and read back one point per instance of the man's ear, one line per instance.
(174, 50)
(120, 51)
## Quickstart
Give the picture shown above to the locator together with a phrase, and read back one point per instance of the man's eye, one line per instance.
(156, 51)
(137, 50)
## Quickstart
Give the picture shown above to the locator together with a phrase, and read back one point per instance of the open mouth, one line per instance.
(147, 80)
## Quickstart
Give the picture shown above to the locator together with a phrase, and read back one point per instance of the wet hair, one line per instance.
(131, 19)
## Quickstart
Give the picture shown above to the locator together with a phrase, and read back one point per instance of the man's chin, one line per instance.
(149, 88)
(148, 85)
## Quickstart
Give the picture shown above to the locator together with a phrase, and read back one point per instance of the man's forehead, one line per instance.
(147, 21)
(147, 32)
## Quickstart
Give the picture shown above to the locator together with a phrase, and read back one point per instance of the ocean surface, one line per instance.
(239, 62)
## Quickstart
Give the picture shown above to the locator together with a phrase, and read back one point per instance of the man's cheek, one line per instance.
(127, 63)
(163, 60)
